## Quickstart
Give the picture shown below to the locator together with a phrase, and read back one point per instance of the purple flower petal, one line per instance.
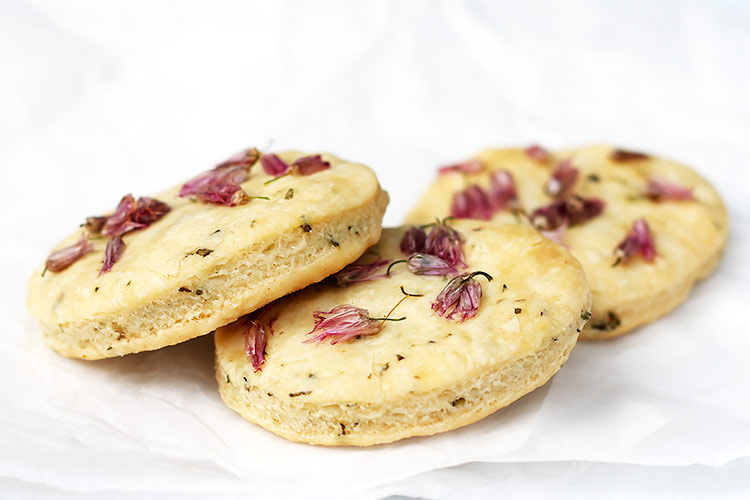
(120, 221)
(221, 185)
(309, 165)
(460, 298)
(638, 241)
(663, 190)
(256, 337)
(63, 258)
(562, 180)
(131, 214)
(476, 203)
(472, 203)
(229, 194)
(571, 211)
(342, 323)
(538, 153)
(95, 224)
(445, 242)
(413, 240)
(449, 297)
(429, 265)
(467, 167)
(623, 156)
(502, 192)
(581, 209)
(243, 159)
(360, 272)
(273, 165)
(112, 253)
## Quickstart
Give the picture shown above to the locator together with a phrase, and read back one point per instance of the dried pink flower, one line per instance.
(460, 297)
(273, 165)
(244, 159)
(445, 242)
(472, 203)
(623, 155)
(538, 153)
(561, 182)
(357, 273)
(413, 240)
(112, 253)
(63, 258)
(131, 215)
(229, 194)
(467, 167)
(307, 165)
(638, 241)
(572, 211)
(343, 323)
(475, 202)
(429, 265)
(502, 193)
(221, 185)
(664, 190)
(256, 336)
(95, 224)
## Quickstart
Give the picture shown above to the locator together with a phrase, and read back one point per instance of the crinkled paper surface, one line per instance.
(101, 99)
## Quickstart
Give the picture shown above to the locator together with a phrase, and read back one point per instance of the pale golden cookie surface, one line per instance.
(689, 235)
(424, 374)
(202, 266)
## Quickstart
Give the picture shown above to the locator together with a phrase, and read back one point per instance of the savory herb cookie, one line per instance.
(645, 229)
(159, 271)
(430, 330)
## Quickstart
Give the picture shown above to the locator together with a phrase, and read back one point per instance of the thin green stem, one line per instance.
(388, 271)
(276, 178)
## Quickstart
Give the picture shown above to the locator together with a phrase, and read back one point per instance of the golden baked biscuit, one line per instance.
(313, 367)
(661, 226)
(203, 264)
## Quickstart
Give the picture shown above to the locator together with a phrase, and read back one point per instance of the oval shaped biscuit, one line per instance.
(424, 374)
(689, 235)
(202, 266)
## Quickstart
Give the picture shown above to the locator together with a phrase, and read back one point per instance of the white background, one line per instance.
(102, 98)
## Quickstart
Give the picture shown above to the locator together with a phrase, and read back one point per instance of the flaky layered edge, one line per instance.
(417, 414)
(262, 273)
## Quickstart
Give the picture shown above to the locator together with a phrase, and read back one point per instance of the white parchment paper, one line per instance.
(102, 100)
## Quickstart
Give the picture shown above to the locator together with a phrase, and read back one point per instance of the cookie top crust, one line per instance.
(538, 290)
(195, 240)
(688, 235)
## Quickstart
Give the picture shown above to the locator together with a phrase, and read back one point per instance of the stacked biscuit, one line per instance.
(332, 331)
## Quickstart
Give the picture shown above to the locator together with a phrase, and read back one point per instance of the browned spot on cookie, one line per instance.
(623, 155)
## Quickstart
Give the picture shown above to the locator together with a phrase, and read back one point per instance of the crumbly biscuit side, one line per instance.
(424, 414)
(268, 270)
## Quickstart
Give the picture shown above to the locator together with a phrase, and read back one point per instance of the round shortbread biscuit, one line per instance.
(689, 235)
(202, 266)
(424, 374)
